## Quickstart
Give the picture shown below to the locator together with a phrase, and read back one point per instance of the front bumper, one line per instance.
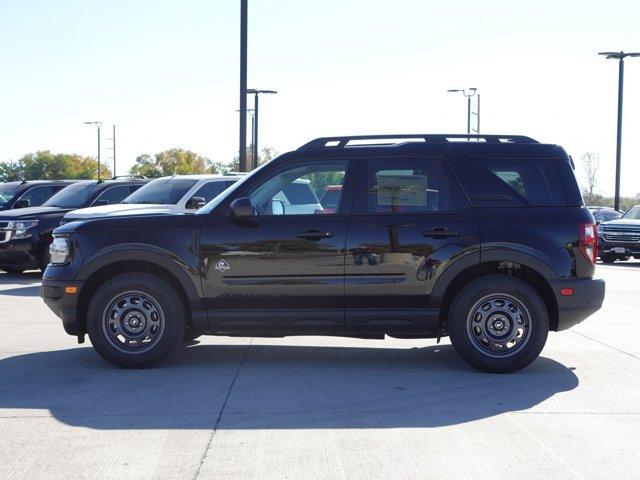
(631, 249)
(19, 254)
(64, 305)
(587, 298)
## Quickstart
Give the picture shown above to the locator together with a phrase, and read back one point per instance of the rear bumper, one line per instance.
(587, 298)
(64, 305)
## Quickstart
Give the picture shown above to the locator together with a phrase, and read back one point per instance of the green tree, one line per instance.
(175, 161)
(44, 165)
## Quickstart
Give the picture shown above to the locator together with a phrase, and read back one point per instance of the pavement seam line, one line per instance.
(224, 404)
(606, 345)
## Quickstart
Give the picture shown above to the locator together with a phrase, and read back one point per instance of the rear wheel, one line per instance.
(498, 324)
(135, 320)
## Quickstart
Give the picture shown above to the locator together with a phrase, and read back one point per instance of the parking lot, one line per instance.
(320, 407)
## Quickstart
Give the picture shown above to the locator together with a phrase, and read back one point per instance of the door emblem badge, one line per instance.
(222, 266)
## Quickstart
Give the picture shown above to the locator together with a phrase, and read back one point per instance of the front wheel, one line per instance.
(498, 324)
(607, 258)
(135, 320)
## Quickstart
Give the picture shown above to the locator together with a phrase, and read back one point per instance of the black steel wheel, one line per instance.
(135, 320)
(498, 323)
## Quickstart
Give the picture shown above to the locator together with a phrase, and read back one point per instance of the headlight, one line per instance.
(21, 229)
(60, 250)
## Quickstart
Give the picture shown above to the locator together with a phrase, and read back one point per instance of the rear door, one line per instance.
(410, 221)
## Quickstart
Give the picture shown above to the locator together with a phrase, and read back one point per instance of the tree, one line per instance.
(175, 161)
(267, 154)
(44, 165)
(590, 168)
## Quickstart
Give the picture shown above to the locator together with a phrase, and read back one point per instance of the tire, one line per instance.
(44, 258)
(12, 271)
(608, 259)
(135, 320)
(498, 324)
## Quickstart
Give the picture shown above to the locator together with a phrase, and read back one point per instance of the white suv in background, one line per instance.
(178, 193)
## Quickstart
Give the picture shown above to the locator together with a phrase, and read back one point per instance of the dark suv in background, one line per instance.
(485, 240)
(25, 233)
(620, 239)
(29, 193)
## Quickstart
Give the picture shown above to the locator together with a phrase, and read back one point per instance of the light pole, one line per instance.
(620, 56)
(256, 94)
(99, 125)
(468, 92)
(243, 86)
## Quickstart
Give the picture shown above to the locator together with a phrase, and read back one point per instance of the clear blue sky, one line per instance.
(166, 73)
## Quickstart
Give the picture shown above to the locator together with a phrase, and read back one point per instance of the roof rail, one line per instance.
(394, 140)
(142, 177)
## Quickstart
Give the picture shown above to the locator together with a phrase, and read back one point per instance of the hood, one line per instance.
(117, 210)
(620, 222)
(30, 212)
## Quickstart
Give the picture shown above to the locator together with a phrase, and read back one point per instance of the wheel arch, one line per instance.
(108, 266)
(451, 282)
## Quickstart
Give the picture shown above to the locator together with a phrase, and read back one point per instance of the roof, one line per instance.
(432, 144)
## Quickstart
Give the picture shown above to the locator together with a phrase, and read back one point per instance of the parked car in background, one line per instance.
(25, 233)
(331, 198)
(29, 193)
(177, 193)
(620, 239)
(487, 242)
(604, 214)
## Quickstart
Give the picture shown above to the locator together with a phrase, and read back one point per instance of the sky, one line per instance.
(166, 72)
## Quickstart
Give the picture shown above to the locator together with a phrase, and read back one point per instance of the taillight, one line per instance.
(589, 241)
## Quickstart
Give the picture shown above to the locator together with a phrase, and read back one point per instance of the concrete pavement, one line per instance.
(320, 407)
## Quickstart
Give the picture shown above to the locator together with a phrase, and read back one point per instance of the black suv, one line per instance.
(25, 233)
(29, 193)
(485, 240)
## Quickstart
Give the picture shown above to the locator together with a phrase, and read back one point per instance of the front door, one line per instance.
(283, 266)
(410, 221)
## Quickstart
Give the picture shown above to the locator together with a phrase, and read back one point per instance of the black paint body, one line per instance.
(376, 274)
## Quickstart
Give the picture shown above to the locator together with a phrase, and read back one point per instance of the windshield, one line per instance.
(7, 192)
(73, 196)
(162, 191)
(633, 213)
(209, 207)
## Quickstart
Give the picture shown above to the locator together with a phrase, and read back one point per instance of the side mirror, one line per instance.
(194, 203)
(100, 203)
(22, 203)
(241, 208)
(277, 207)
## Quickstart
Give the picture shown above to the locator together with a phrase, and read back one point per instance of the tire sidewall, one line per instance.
(496, 284)
(167, 299)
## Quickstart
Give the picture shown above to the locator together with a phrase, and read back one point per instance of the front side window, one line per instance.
(410, 185)
(297, 189)
(113, 195)
(7, 192)
(36, 196)
(162, 191)
(76, 195)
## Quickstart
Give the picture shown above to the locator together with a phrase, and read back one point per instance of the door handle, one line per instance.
(441, 232)
(314, 235)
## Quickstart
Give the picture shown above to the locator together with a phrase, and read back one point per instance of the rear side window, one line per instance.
(510, 182)
(411, 185)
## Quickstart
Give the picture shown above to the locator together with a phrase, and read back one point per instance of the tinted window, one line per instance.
(76, 195)
(7, 191)
(292, 191)
(510, 182)
(211, 190)
(113, 195)
(163, 191)
(331, 197)
(410, 185)
(36, 196)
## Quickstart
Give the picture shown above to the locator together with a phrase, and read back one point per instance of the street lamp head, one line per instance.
(255, 91)
(619, 55)
(455, 90)
(99, 124)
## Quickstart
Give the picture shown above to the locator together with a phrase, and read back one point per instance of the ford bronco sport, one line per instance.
(484, 239)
